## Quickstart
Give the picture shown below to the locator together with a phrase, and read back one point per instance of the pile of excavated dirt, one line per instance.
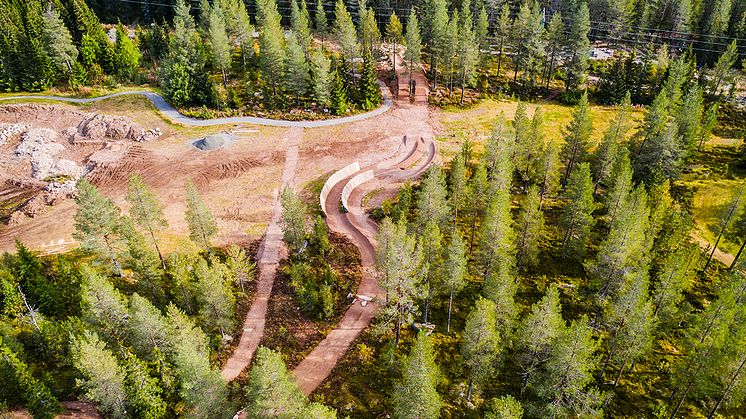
(214, 142)
(45, 149)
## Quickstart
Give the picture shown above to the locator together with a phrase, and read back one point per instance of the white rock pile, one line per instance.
(10, 131)
(40, 146)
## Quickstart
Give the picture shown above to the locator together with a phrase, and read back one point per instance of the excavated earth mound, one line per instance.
(214, 142)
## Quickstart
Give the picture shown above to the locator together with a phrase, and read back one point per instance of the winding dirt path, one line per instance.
(418, 153)
(270, 252)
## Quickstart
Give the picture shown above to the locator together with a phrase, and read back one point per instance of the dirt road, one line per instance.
(271, 249)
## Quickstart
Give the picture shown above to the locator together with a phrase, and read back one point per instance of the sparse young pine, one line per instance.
(529, 229)
(537, 333)
(577, 216)
(97, 222)
(293, 220)
(432, 201)
(605, 155)
(202, 227)
(416, 395)
(146, 211)
(577, 137)
(481, 343)
(453, 273)
(399, 263)
(569, 372)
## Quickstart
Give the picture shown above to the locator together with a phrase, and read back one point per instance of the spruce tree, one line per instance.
(126, 54)
(344, 30)
(300, 24)
(432, 201)
(579, 47)
(202, 226)
(394, 35)
(293, 220)
(215, 297)
(38, 398)
(272, 47)
(577, 216)
(413, 42)
(506, 407)
(57, 41)
(416, 395)
(103, 377)
(320, 20)
(321, 77)
(219, 43)
(271, 390)
(339, 101)
(555, 36)
(297, 67)
(468, 47)
(369, 90)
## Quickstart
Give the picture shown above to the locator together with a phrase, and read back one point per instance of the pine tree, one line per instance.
(369, 90)
(503, 33)
(477, 201)
(146, 211)
(527, 38)
(271, 390)
(577, 137)
(605, 156)
(555, 40)
(293, 220)
(177, 72)
(399, 261)
(97, 222)
(528, 147)
(629, 321)
(144, 263)
(241, 269)
(497, 236)
(481, 343)
(297, 68)
(577, 216)
(394, 35)
(219, 42)
(438, 39)
(146, 327)
(579, 46)
(737, 231)
(721, 70)
(370, 34)
(453, 273)
(143, 390)
(621, 184)
(126, 54)
(481, 32)
(673, 279)
(457, 185)
(416, 395)
(431, 244)
(709, 121)
(339, 101)
(537, 334)
(57, 41)
(344, 30)
(569, 372)
(104, 378)
(529, 229)
(468, 47)
(432, 201)
(201, 224)
(550, 171)
(413, 42)
(689, 119)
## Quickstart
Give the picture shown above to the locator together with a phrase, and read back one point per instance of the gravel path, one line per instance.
(271, 247)
(175, 116)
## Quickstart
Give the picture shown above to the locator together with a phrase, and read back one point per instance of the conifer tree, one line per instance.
(673, 279)
(579, 47)
(620, 185)
(529, 229)
(369, 90)
(577, 216)
(339, 101)
(144, 263)
(399, 260)
(438, 40)
(577, 137)
(555, 36)
(481, 32)
(272, 49)
(468, 47)
(550, 171)
(57, 41)
(215, 297)
(271, 390)
(737, 232)
(370, 34)
(394, 35)
(202, 226)
(569, 372)
(537, 333)
(104, 378)
(97, 222)
(300, 24)
(103, 306)
(431, 244)
(142, 389)
(453, 272)
(606, 153)
(709, 121)
(321, 77)
(416, 395)
(506, 407)
(689, 119)
(219, 43)
(293, 220)
(432, 201)
(297, 67)
(127, 56)
(344, 30)
(477, 199)
(721, 70)
(241, 269)
(503, 33)
(178, 71)
(146, 327)
(413, 42)
(457, 185)
(146, 211)
(481, 344)
(38, 398)
(320, 20)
